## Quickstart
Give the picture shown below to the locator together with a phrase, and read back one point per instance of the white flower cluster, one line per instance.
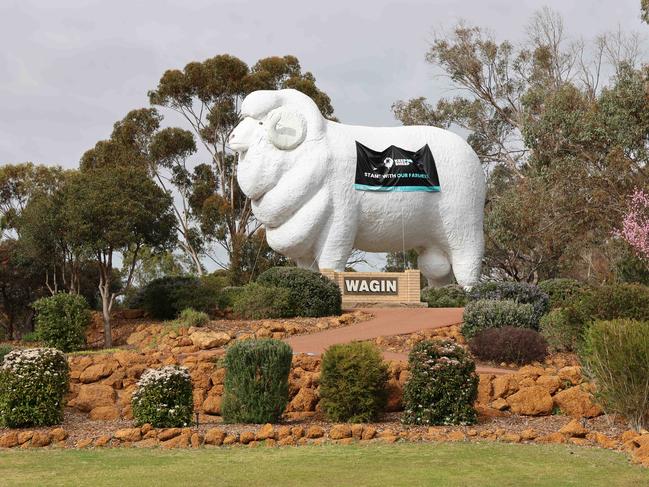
(160, 376)
(25, 362)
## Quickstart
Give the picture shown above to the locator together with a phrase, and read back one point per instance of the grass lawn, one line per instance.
(445, 464)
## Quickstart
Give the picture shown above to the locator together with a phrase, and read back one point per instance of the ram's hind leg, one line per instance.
(435, 265)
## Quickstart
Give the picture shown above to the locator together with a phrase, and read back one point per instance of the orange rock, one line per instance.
(395, 395)
(315, 432)
(357, 431)
(298, 431)
(246, 437)
(577, 403)
(551, 438)
(304, 401)
(571, 374)
(168, 433)
(212, 405)
(287, 441)
(215, 436)
(500, 404)
(128, 434)
(93, 395)
(551, 382)
(531, 401)
(340, 431)
(230, 440)
(285, 431)
(456, 436)
(105, 413)
(25, 436)
(146, 443)
(265, 432)
(369, 432)
(83, 443)
(98, 371)
(602, 440)
(504, 385)
(574, 429)
(511, 437)
(196, 440)
(58, 434)
(528, 434)
(485, 388)
(103, 440)
(9, 440)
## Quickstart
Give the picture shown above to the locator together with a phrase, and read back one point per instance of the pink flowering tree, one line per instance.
(635, 226)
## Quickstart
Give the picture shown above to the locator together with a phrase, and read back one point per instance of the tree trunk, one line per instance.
(105, 306)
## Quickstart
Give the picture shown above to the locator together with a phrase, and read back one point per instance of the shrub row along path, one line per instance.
(386, 322)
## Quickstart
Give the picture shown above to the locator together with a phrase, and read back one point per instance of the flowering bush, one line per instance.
(32, 385)
(61, 321)
(442, 387)
(164, 398)
(487, 313)
(635, 226)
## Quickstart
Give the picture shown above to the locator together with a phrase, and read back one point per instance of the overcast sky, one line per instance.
(70, 68)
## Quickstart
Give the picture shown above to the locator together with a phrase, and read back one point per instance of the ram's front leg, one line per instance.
(337, 243)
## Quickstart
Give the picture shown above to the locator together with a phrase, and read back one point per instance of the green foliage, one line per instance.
(519, 292)
(613, 301)
(311, 293)
(353, 383)
(4, 350)
(451, 296)
(487, 313)
(62, 320)
(190, 317)
(229, 295)
(442, 387)
(616, 355)
(33, 383)
(562, 329)
(164, 398)
(166, 297)
(30, 337)
(256, 381)
(256, 301)
(509, 344)
(562, 290)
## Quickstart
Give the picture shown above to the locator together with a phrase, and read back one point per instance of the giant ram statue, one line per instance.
(298, 169)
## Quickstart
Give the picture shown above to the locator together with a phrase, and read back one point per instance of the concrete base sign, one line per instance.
(377, 288)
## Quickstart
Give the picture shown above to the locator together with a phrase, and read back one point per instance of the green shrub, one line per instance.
(229, 295)
(613, 301)
(311, 293)
(352, 383)
(451, 296)
(487, 313)
(30, 337)
(166, 297)
(442, 387)
(255, 301)
(561, 291)
(33, 383)
(164, 398)
(616, 355)
(509, 344)
(4, 350)
(256, 381)
(562, 329)
(520, 292)
(190, 317)
(62, 320)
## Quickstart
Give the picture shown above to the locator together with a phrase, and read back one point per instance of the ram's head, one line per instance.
(271, 137)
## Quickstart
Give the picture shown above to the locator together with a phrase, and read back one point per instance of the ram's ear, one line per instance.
(286, 128)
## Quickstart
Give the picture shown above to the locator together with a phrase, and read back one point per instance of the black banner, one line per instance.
(395, 169)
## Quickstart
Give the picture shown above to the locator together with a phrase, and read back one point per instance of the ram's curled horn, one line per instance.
(286, 128)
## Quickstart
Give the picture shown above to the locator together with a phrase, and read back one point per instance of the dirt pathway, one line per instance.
(386, 322)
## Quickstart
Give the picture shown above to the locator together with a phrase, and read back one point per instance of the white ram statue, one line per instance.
(298, 169)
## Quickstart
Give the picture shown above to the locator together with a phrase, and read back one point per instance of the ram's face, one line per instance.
(266, 145)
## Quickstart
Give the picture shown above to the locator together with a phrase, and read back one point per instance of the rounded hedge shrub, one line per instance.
(487, 313)
(616, 355)
(164, 398)
(164, 298)
(613, 301)
(509, 344)
(311, 293)
(442, 387)
(353, 383)
(256, 381)
(451, 296)
(229, 295)
(33, 383)
(255, 301)
(62, 320)
(561, 291)
(190, 317)
(521, 292)
(562, 329)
